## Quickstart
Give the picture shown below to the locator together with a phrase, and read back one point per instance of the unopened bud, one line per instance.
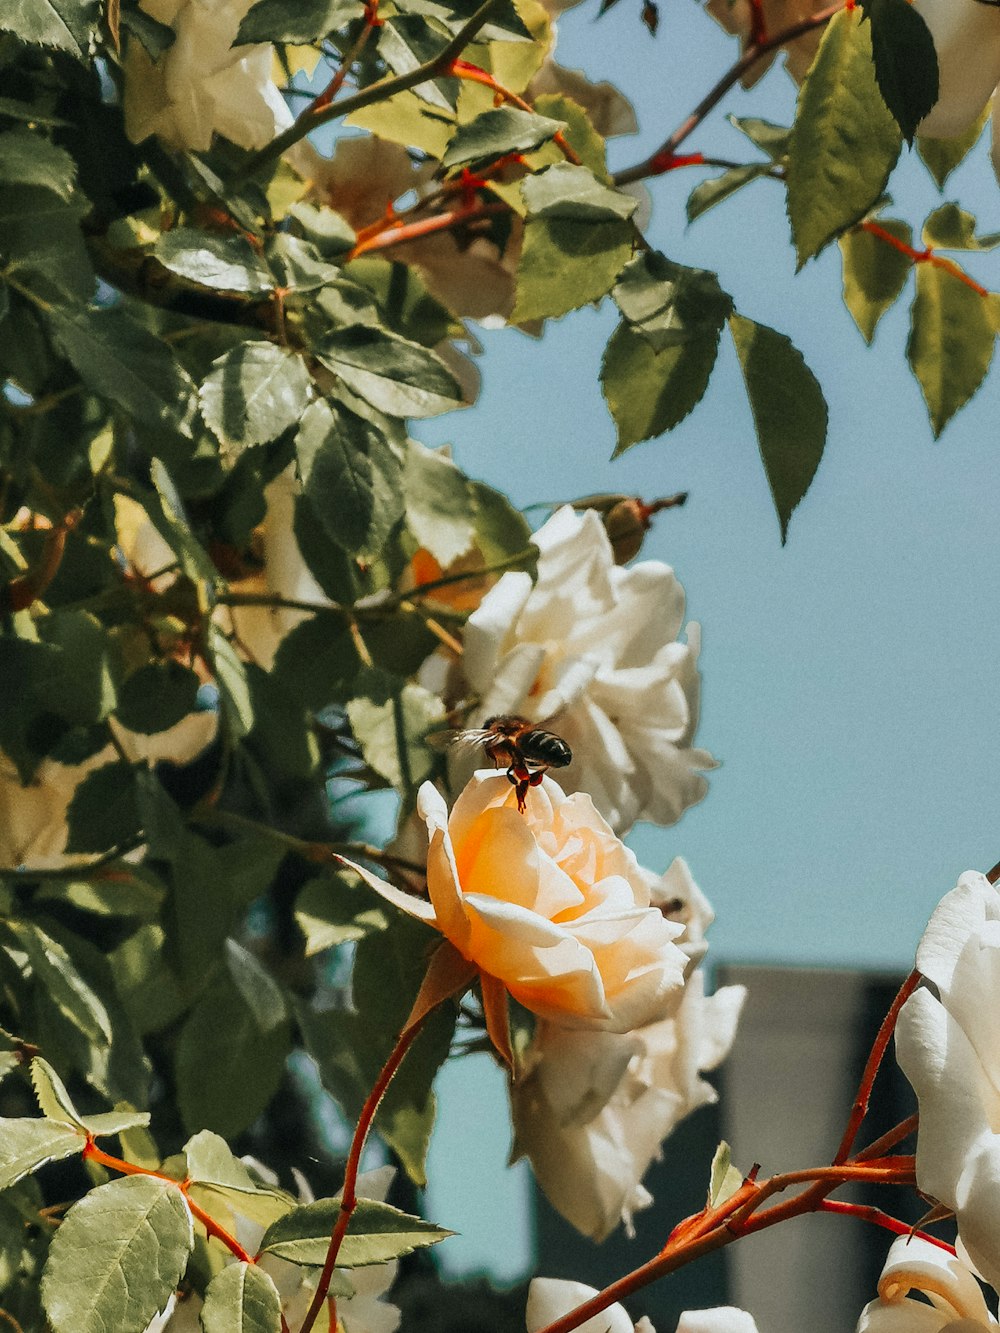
(626, 525)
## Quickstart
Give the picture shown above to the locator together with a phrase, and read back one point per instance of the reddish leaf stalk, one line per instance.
(860, 1107)
(462, 69)
(927, 256)
(349, 1196)
(20, 592)
(881, 1219)
(888, 1140)
(392, 231)
(331, 90)
(213, 1228)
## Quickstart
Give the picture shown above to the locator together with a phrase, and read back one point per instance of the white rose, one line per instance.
(966, 37)
(202, 84)
(956, 1301)
(948, 1045)
(551, 1298)
(591, 1110)
(595, 646)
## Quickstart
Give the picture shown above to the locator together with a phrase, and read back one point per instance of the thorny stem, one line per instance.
(888, 1140)
(926, 256)
(662, 159)
(372, 21)
(860, 1107)
(395, 232)
(349, 1197)
(375, 92)
(881, 1219)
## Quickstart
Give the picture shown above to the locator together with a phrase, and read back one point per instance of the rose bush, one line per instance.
(948, 1045)
(591, 1110)
(547, 905)
(595, 646)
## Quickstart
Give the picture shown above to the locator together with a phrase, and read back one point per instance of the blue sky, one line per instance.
(850, 679)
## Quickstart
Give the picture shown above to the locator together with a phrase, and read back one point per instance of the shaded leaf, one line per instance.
(42, 244)
(567, 191)
(874, 273)
(715, 190)
(497, 132)
(392, 733)
(31, 159)
(117, 1257)
(649, 392)
(330, 912)
(408, 41)
(669, 304)
(397, 376)
(28, 1143)
(438, 503)
(952, 228)
(318, 660)
(157, 696)
(565, 263)
(789, 411)
(378, 1233)
(296, 20)
(906, 65)
(119, 359)
(254, 393)
(844, 142)
(61, 981)
(951, 342)
(764, 134)
(942, 156)
(225, 263)
(66, 25)
(241, 1299)
(103, 812)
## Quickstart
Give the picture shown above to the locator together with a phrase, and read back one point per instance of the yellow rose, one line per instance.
(548, 906)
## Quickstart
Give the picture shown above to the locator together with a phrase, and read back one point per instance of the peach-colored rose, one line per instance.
(547, 905)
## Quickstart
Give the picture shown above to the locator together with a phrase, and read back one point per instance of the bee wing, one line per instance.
(445, 740)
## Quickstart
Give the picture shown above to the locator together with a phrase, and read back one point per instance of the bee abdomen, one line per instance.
(545, 748)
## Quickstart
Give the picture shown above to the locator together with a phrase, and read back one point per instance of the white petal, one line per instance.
(549, 1298)
(723, 1319)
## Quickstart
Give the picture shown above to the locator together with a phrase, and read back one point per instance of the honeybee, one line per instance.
(526, 749)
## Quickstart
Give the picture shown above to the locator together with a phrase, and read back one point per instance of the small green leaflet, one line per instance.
(567, 191)
(717, 188)
(241, 1299)
(225, 263)
(56, 974)
(874, 272)
(725, 1178)
(438, 503)
(844, 142)
(397, 376)
(649, 392)
(56, 1104)
(567, 262)
(951, 342)
(942, 156)
(391, 733)
(789, 411)
(65, 24)
(28, 158)
(296, 20)
(253, 393)
(952, 228)
(494, 133)
(28, 1143)
(906, 65)
(117, 1257)
(157, 696)
(378, 1233)
(668, 303)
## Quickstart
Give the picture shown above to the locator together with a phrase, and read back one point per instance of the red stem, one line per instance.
(860, 1108)
(881, 1219)
(349, 1196)
(395, 232)
(927, 256)
(331, 90)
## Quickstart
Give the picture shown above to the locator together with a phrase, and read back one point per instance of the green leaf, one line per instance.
(564, 264)
(764, 134)
(844, 142)
(378, 1233)
(241, 1299)
(574, 193)
(397, 376)
(117, 1257)
(952, 228)
(407, 41)
(392, 733)
(503, 25)
(15, 110)
(501, 530)
(296, 21)
(28, 1143)
(579, 133)
(438, 503)
(298, 265)
(942, 156)
(330, 912)
(42, 244)
(119, 359)
(951, 342)
(64, 24)
(318, 661)
(62, 983)
(714, 191)
(103, 812)
(350, 476)
(906, 65)
(231, 678)
(874, 273)
(131, 891)
(254, 393)
(497, 132)
(157, 696)
(55, 1103)
(215, 1173)
(668, 303)
(232, 1048)
(330, 233)
(31, 159)
(225, 263)
(789, 411)
(649, 392)
(725, 1179)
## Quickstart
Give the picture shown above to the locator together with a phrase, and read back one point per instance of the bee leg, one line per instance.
(521, 778)
(535, 778)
